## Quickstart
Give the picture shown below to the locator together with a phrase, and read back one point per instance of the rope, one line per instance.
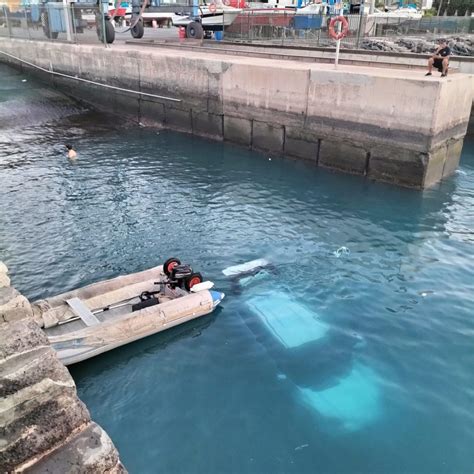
(139, 17)
(89, 81)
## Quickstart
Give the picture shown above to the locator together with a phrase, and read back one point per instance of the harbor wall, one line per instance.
(44, 427)
(389, 125)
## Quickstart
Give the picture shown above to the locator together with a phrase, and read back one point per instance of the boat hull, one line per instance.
(75, 340)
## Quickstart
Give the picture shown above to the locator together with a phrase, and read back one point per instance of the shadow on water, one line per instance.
(378, 340)
(133, 352)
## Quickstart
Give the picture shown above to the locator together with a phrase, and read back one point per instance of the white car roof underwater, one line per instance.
(287, 326)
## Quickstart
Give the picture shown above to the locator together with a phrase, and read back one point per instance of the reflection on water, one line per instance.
(326, 361)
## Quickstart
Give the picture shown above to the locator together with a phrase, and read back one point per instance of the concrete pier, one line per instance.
(393, 125)
(44, 427)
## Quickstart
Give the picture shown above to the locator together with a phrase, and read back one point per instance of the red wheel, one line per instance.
(170, 264)
(193, 279)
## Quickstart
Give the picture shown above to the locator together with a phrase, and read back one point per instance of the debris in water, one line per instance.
(341, 251)
(23, 80)
(302, 446)
(425, 293)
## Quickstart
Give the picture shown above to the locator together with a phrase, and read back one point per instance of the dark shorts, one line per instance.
(438, 64)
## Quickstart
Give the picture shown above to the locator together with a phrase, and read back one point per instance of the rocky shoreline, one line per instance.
(44, 426)
(460, 45)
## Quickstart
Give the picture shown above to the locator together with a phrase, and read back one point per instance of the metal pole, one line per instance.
(338, 42)
(360, 26)
(9, 26)
(27, 26)
(73, 21)
(67, 21)
(439, 7)
(103, 9)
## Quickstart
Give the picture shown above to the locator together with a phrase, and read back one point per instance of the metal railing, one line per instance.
(54, 21)
(287, 27)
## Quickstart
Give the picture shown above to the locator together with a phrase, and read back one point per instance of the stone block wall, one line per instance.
(44, 427)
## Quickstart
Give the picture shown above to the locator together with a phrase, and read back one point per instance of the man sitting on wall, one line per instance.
(440, 59)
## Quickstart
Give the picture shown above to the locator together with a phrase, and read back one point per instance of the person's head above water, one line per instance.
(71, 153)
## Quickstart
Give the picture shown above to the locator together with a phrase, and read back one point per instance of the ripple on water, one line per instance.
(389, 384)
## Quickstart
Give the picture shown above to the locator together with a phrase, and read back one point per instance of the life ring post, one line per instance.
(338, 29)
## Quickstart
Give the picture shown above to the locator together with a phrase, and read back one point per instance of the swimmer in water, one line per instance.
(70, 152)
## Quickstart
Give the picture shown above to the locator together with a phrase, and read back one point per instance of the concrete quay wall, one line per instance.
(44, 427)
(390, 125)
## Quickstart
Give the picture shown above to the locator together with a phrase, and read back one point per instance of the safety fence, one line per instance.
(86, 22)
(287, 27)
(52, 21)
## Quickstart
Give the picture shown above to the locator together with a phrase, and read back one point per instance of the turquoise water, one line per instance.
(327, 361)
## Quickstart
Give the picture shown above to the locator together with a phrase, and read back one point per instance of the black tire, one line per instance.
(138, 30)
(166, 265)
(192, 280)
(45, 24)
(109, 31)
(194, 30)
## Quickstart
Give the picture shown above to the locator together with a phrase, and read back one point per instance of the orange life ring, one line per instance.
(212, 8)
(345, 28)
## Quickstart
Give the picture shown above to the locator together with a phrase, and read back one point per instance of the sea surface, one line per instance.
(352, 352)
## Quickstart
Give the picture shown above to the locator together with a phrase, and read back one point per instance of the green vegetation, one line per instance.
(462, 6)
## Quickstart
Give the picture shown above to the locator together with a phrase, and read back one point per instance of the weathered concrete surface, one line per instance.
(13, 305)
(4, 279)
(44, 427)
(343, 156)
(399, 120)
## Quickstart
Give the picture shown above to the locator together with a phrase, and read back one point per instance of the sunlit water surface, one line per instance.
(351, 361)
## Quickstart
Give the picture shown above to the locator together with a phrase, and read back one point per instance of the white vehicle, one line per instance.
(213, 18)
(396, 15)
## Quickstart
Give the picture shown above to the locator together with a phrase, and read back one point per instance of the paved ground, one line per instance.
(90, 36)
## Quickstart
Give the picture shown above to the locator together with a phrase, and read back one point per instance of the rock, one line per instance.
(28, 368)
(90, 451)
(38, 418)
(4, 280)
(7, 294)
(20, 336)
(427, 44)
(13, 305)
(44, 427)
